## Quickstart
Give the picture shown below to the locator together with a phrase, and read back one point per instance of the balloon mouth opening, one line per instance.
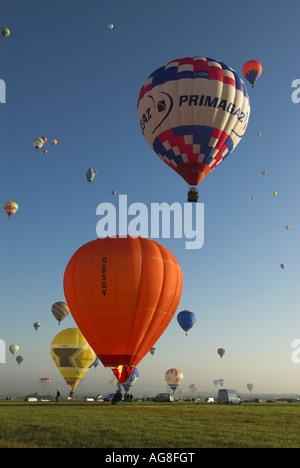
(193, 172)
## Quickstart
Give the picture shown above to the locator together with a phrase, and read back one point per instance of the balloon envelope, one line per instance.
(193, 112)
(131, 380)
(186, 320)
(221, 352)
(173, 377)
(250, 387)
(36, 325)
(14, 349)
(90, 175)
(122, 293)
(11, 207)
(38, 143)
(152, 351)
(252, 71)
(60, 310)
(19, 359)
(5, 32)
(72, 355)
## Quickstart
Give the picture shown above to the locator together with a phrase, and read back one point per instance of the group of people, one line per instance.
(118, 397)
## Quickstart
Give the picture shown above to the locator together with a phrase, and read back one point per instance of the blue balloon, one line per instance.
(131, 379)
(186, 320)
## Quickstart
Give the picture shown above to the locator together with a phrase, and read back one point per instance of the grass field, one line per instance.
(148, 425)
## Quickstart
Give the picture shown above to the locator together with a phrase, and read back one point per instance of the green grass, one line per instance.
(148, 425)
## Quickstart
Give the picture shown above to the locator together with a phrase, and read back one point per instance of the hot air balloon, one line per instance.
(193, 388)
(259, 134)
(252, 71)
(72, 355)
(60, 310)
(44, 383)
(44, 139)
(38, 143)
(221, 352)
(282, 266)
(14, 348)
(37, 325)
(250, 387)
(122, 293)
(221, 382)
(173, 377)
(131, 380)
(152, 351)
(5, 32)
(45, 151)
(10, 207)
(53, 142)
(288, 227)
(252, 198)
(19, 359)
(110, 26)
(274, 194)
(90, 174)
(216, 382)
(193, 112)
(114, 192)
(263, 172)
(186, 320)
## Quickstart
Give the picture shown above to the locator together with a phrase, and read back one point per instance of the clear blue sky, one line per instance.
(68, 76)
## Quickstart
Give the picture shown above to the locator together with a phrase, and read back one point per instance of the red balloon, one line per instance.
(122, 293)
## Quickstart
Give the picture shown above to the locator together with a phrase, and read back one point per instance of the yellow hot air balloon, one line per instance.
(72, 355)
(274, 194)
(53, 142)
(288, 227)
(10, 208)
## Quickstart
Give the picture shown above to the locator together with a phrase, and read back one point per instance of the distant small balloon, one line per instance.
(11, 207)
(53, 142)
(19, 359)
(114, 192)
(288, 227)
(263, 172)
(14, 348)
(45, 151)
(5, 32)
(252, 198)
(110, 26)
(274, 194)
(259, 134)
(37, 325)
(282, 265)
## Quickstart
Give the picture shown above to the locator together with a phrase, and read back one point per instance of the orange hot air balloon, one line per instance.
(122, 293)
(53, 142)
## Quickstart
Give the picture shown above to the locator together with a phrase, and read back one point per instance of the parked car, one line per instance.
(210, 400)
(109, 397)
(163, 397)
(226, 396)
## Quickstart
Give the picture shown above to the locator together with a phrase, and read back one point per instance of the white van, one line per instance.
(226, 396)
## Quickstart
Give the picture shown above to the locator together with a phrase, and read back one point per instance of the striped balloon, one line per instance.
(60, 310)
(193, 112)
(173, 377)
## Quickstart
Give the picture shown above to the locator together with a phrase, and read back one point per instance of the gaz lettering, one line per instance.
(103, 277)
(145, 118)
